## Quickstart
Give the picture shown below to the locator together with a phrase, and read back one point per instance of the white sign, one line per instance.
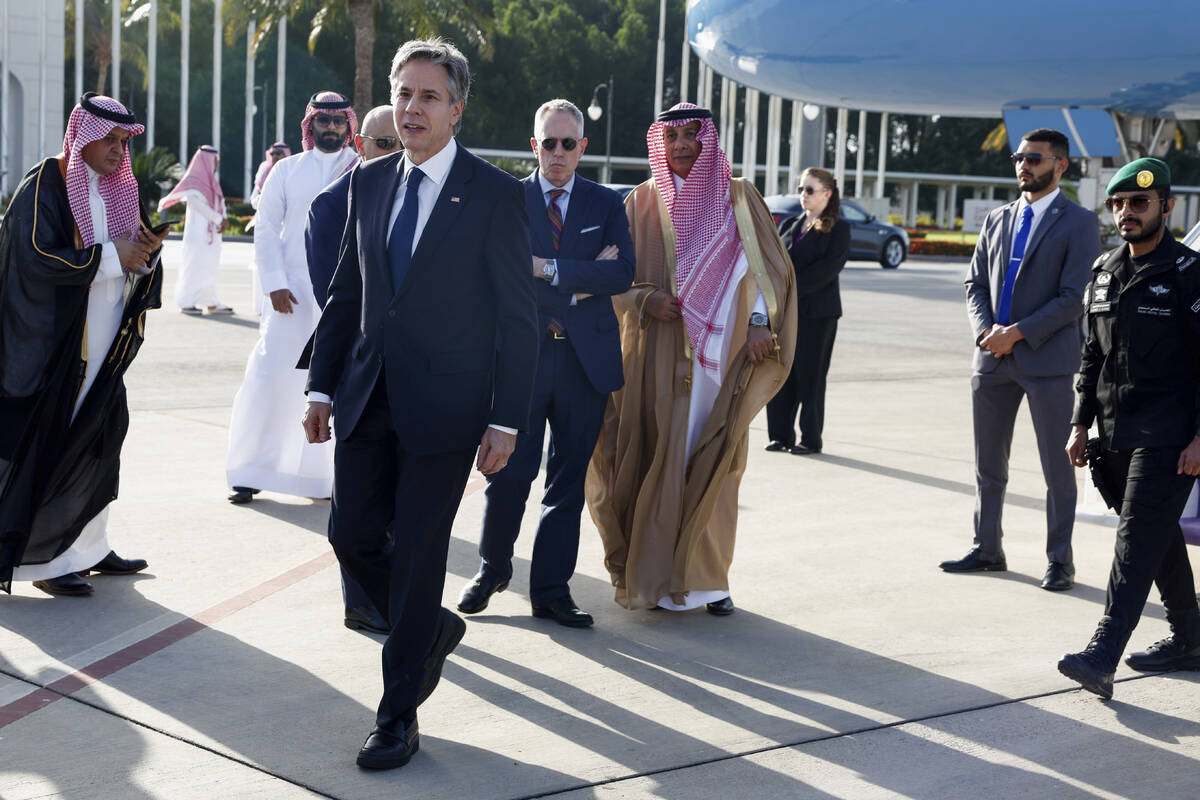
(975, 212)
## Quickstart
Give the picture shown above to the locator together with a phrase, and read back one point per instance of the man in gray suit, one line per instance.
(1024, 299)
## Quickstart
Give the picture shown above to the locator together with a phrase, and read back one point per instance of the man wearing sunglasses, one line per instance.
(1024, 291)
(1140, 384)
(582, 256)
(265, 449)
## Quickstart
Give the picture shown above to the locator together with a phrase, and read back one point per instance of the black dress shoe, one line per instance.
(801, 450)
(113, 564)
(70, 585)
(242, 494)
(976, 561)
(450, 633)
(1059, 577)
(366, 618)
(720, 608)
(386, 750)
(1170, 653)
(777, 447)
(476, 594)
(564, 611)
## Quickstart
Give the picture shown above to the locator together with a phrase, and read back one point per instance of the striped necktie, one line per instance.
(556, 220)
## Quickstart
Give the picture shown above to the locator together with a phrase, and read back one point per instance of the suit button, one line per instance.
(392, 313)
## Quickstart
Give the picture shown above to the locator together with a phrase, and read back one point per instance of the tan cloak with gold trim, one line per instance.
(668, 530)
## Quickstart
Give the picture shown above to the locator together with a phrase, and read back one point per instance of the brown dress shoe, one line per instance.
(69, 585)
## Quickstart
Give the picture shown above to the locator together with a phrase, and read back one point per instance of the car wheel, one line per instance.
(892, 253)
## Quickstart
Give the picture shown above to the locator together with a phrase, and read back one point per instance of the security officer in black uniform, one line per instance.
(1139, 381)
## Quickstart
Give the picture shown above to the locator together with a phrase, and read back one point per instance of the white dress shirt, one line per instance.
(436, 168)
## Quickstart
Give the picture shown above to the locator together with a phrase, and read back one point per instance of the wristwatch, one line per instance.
(758, 320)
(550, 269)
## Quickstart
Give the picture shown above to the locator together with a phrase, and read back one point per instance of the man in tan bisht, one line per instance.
(707, 334)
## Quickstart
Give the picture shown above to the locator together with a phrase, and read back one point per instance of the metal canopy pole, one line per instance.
(861, 161)
(280, 79)
(884, 144)
(216, 90)
(116, 53)
(151, 78)
(248, 122)
(185, 13)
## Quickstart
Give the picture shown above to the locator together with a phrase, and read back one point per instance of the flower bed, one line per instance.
(920, 246)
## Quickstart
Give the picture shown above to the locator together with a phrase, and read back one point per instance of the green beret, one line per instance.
(1145, 173)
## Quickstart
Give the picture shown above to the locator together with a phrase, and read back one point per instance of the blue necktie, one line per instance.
(1004, 309)
(400, 243)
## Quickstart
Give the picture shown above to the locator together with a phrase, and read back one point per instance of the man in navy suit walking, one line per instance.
(427, 346)
(582, 256)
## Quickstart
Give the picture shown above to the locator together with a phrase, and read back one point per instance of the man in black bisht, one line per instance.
(78, 271)
(1140, 383)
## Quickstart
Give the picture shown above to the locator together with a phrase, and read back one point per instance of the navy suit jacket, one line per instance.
(323, 234)
(457, 341)
(595, 219)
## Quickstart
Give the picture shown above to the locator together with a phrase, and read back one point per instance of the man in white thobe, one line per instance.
(75, 218)
(266, 450)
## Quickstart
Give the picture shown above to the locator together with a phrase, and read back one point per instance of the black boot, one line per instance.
(1096, 664)
(1180, 650)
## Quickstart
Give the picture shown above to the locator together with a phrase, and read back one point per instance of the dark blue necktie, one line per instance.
(1004, 309)
(400, 243)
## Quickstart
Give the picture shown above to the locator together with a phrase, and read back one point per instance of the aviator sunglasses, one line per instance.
(551, 143)
(1137, 204)
(1033, 158)
(336, 119)
(382, 142)
(810, 189)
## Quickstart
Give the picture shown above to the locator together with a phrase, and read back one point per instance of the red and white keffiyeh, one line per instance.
(327, 103)
(264, 169)
(91, 120)
(201, 176)
(707, 245)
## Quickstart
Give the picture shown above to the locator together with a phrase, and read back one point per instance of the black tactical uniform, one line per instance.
(1139, 381)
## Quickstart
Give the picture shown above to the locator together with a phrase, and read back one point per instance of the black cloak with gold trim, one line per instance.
(55, 473)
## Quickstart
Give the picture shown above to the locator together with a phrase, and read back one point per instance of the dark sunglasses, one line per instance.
(1137, 204)
(811, 190)
(552, 143)
(382, 142)
(1033, 158)
(337, 119)
(276, 153)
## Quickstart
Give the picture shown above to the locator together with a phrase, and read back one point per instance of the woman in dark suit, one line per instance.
(819, 242)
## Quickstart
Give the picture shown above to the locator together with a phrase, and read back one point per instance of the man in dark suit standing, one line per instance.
(1024, 299)
(583, 256)
(427, 345)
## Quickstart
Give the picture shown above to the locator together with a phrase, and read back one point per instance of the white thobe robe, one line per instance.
(197, 285)
(267, 446)
(705, 388)
(106, 299)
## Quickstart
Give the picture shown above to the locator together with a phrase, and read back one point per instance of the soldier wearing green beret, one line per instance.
(1140, 384)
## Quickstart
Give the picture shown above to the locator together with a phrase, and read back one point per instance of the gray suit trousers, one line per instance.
(995, 398)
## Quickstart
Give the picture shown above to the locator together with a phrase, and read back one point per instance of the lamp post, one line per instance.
(594, 113)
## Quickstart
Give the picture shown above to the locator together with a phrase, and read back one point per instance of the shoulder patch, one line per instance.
(1183, 262)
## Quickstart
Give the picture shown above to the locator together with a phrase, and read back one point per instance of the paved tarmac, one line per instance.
(853, 667)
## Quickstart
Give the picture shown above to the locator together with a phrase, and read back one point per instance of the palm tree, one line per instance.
(97, 39)
(419, 17)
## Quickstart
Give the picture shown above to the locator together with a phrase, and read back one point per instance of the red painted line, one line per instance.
(100, 669)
